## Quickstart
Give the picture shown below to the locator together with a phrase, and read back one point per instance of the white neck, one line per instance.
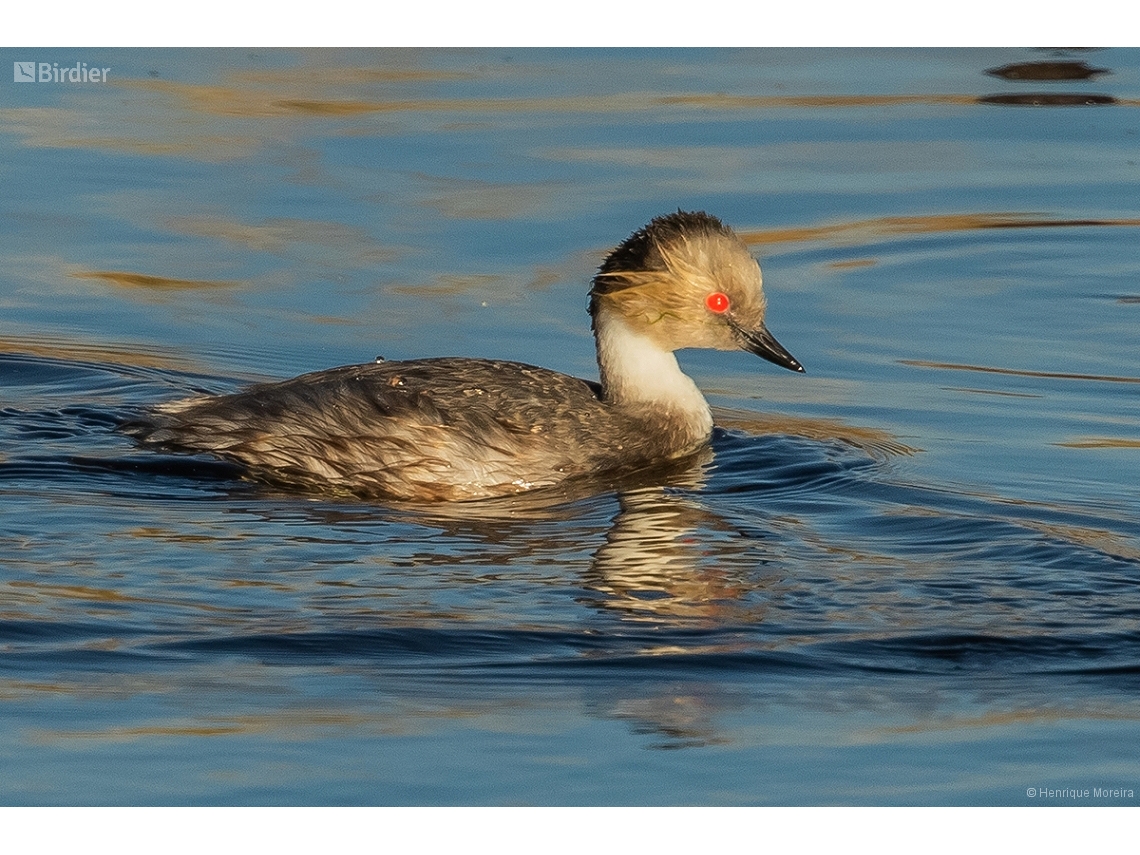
(636, 371)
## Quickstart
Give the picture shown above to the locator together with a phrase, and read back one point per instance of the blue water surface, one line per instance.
(910, 576)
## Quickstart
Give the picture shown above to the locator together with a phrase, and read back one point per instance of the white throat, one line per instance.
(637, 371)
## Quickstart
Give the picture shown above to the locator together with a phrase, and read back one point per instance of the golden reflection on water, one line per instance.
(1034, 716)
(249, 108)
(51, 594)
(316, 87)
(873, 441)
(1100, 442)
(685, 719)
(298, 722)
(1098, 539)
(400, 69)
(77, 592)
(996, 392)
(68, 127)
(477, 199)
(278, 235)
(148, 282)
(859, 231)
(450, 285)
(71, 350)
(1019, 372)
(298, 95)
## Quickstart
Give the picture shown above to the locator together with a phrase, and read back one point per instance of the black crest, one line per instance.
(642, 249)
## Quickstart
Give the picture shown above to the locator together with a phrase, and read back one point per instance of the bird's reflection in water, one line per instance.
(685, 719)
(669, 561)
(678, 574)
(670, 557)
(666, 557)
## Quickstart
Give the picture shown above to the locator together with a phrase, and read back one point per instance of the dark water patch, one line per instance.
(106, 660)
(1048, 99)
(916, 522)
(875, 443)
(557, 656)
(474, 661)
(139, 477)
(497, 647)
(1047, 70)
(19, 370)
(995, 392)
(190, 468)
(50, 632)
(1032, 654)
(775, 464)
(75, 424)
(395, 646)
(50, 647)
(119, 384)
(79, 444)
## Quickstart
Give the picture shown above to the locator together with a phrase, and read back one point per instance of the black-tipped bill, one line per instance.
(763, 343)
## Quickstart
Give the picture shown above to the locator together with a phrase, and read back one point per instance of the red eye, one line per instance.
(717, 302)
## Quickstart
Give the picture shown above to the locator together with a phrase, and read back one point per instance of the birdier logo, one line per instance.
(53, 72)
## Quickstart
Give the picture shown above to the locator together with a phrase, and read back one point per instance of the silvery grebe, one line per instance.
(453, 428)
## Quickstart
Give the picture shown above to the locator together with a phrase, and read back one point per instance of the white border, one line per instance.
(596, 23)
